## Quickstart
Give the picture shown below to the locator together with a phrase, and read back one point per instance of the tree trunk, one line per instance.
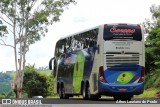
(15, 54)
(20, 72)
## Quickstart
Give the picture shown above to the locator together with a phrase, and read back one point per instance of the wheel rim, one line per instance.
(88, 93)
(63, 92)
(60, 94)
(84, 93)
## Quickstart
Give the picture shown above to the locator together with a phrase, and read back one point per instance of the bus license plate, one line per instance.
(122, 89)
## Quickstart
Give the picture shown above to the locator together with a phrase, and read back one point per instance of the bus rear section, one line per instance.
(122, 72)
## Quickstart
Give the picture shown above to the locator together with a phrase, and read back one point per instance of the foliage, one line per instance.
(153, 40)
(32, 15)
(155, 10)
(3, 29)
(10, 94)
(28, 21)
(155, 22)
(50, 83)
(34, 83)
(2, 95)
(152, 79)
(5, 86)
(149, 93)
(45, 72)
(4, 77)
(152, 51)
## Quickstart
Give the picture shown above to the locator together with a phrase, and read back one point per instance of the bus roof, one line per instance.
(70, 35)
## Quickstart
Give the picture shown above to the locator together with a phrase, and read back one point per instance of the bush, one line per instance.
(2, 95)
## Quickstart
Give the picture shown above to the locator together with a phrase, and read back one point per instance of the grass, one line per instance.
(152, 85)
(55, 96)
(45, 72)
(149, 93)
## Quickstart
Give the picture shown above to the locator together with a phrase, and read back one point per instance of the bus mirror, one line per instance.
(98, 49)
(50, 63)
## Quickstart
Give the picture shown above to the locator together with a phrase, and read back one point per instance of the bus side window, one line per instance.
(83, 39)
(65, 50)
(91, 43)
(85, 45)
(87, 42)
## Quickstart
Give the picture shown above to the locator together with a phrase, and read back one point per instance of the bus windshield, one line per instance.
(122, 32)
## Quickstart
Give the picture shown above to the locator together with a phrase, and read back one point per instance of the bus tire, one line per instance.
(86, 92)
(64, 96)
(60, 92)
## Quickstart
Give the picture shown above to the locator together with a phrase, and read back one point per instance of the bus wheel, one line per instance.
(86, 92)
(64, 96)
(83, 92)
(60, 93)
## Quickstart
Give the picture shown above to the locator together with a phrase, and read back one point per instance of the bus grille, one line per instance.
(127, 62)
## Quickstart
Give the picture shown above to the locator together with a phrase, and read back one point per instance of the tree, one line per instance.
(28, 21)
(153, 50)
(34, 83)
(3, 29)
(153, 40)
(155, 22)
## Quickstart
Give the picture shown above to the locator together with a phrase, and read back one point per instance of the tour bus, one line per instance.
(105, 60)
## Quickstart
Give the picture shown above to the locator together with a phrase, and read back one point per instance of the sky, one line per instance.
(83, 15)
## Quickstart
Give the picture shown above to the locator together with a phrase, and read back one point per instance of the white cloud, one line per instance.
(79, 20)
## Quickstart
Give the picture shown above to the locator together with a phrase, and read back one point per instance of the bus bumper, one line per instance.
(112, 89)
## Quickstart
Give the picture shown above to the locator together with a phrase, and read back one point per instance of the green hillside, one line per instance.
(5, 83)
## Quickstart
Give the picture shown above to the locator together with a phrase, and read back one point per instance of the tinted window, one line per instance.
(122, 32)
(77, 42)
(60, 47)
